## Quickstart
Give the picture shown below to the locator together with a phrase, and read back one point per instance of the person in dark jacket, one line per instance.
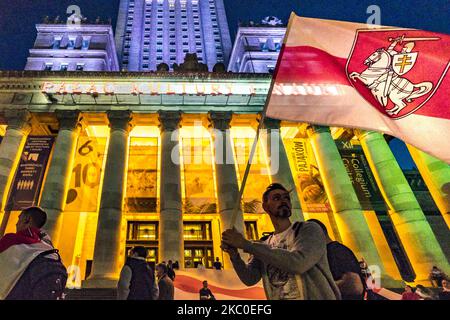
(137, 279)
(217, 264)
(409, 294)
(165, 284)
(205, 292)
(30, 267)
(444, 294)
(170, 271)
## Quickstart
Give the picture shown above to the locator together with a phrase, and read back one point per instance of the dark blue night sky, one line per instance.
(18, 19)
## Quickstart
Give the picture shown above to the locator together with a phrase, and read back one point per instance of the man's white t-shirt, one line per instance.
(283, 285)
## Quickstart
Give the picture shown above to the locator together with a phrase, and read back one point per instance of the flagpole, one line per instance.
(261, 123)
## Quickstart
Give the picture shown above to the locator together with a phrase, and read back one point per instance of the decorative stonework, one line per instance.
(344, 134)
(313, 129)
(220, 119)
(169, 120)
(69, 119)
(270, 123)
(190, 64)
(18, 119)
(361, 134)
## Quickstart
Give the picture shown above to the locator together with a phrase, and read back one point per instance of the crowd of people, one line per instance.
(440, 283)
(298, 261)
(138, 282)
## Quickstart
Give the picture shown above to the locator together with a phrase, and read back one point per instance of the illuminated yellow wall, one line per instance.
(258, 178)
(11, 226)
(79, 226)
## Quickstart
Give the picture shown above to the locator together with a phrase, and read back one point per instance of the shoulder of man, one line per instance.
(8, 240)
(298, 226)
(342, 250)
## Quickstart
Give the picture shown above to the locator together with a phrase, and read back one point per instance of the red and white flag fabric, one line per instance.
(387, 79)
(17, 250)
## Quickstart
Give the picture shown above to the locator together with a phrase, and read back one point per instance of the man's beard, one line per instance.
(284, 212)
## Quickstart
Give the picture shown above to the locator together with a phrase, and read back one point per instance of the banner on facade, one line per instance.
(258, 178)
(82, 195)
(198, 176)
(27, 182)
(361, 176)
(141, 193)
(311, 191)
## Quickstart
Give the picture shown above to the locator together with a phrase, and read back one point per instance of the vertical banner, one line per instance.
(27, 182)
(305, 171)
(142, 176)
(86, 174)
(361, 176)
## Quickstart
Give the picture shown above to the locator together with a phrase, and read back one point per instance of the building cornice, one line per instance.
(63, 27)
(143, 92)
(145, 76)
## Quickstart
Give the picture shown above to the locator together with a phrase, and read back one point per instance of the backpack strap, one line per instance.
(296, 227)
(46, 253)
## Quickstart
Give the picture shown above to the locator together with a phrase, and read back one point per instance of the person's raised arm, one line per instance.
(309, 247)
(249, 273)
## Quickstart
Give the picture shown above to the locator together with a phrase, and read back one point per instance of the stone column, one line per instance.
(436, 175)
(279, 163)
(105, 267)
(171, 241)
(347, 210)
(54, 192)
(226, 177)
(19, 127)
(415, 233)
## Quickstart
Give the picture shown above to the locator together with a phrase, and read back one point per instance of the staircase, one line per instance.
(91, 294)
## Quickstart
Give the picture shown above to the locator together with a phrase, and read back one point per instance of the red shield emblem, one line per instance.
(401, 72)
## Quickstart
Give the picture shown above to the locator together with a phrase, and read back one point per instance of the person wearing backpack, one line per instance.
(137, 279)
(344, 267)
(30, 266)
(292, 262)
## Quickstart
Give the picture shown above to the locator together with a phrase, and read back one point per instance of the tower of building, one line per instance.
(151, 32)
(257, 46)
(69, 46)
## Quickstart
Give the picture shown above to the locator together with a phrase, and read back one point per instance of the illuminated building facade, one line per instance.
(157, 159)
(151, 32)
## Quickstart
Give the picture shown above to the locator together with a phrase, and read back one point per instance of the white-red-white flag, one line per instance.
(387, 79)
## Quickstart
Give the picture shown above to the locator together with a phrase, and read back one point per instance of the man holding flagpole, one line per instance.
(292, 261)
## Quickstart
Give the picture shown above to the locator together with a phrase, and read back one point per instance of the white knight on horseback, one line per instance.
(383, 75)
